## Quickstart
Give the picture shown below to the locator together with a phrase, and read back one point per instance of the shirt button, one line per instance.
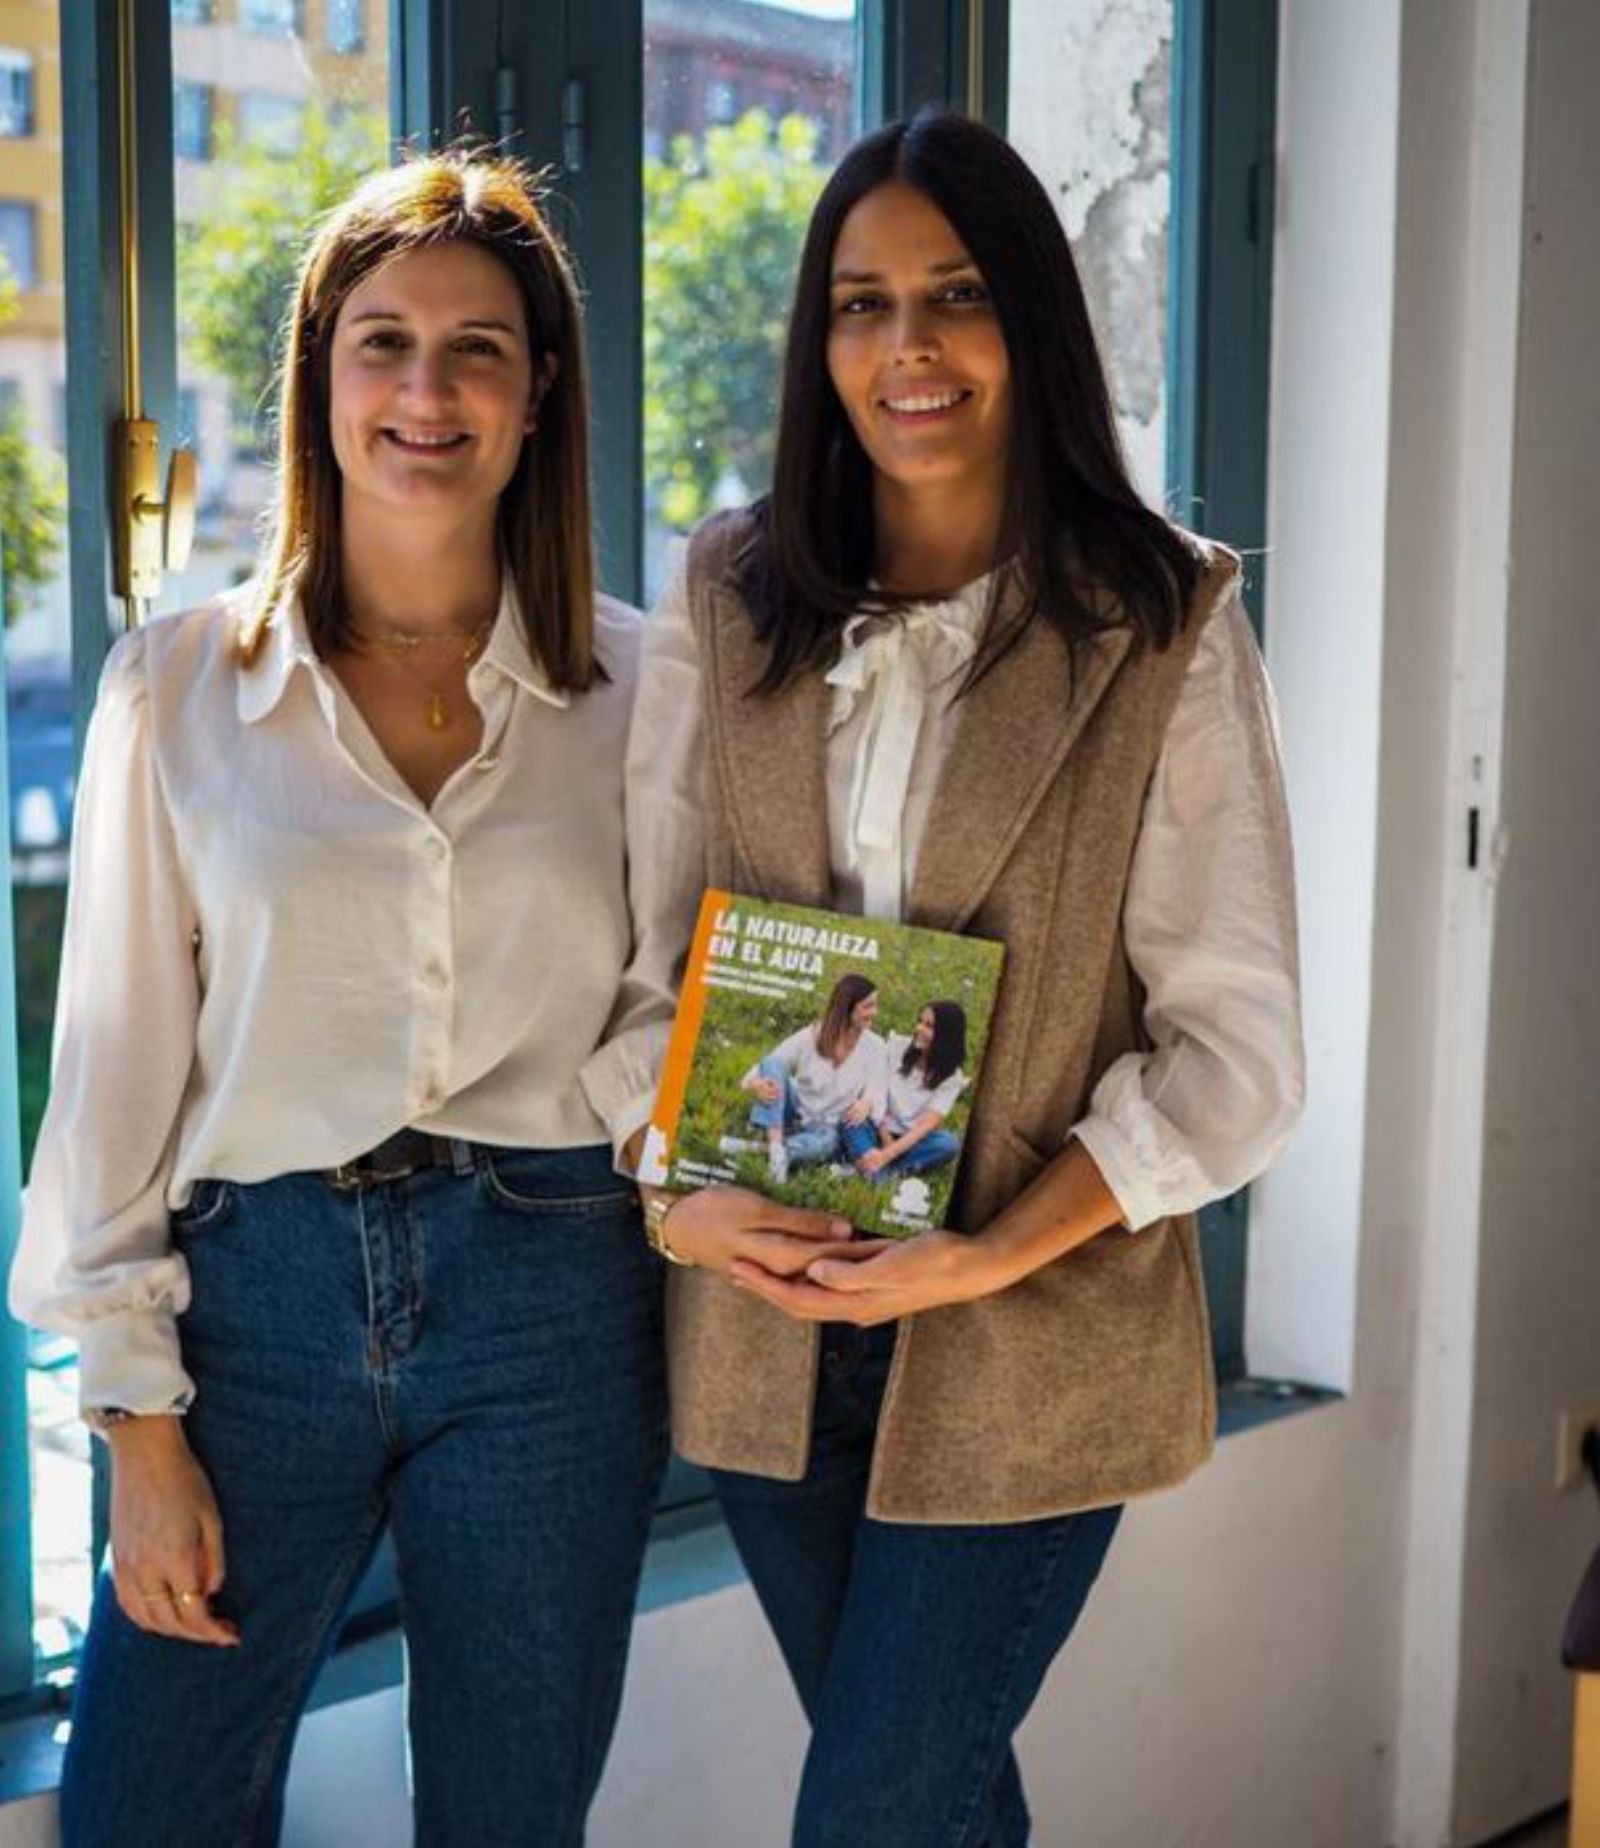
(436, 977)
(435, 848)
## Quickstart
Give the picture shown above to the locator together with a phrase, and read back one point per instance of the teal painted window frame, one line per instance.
(1219, 365)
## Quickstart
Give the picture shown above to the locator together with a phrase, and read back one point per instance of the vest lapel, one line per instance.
(770, 761)
(1019, 723)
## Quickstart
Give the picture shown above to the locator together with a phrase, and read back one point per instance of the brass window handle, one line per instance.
(155, 532)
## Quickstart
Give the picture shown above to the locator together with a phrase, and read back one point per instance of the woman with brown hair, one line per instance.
(817, 1083)
(325, 1189)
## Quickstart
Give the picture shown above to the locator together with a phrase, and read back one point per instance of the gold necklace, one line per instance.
(403, 646)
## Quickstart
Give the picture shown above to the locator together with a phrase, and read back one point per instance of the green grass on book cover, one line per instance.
(826, 1060)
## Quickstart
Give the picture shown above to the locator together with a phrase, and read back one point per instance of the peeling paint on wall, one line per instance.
(1091, 111)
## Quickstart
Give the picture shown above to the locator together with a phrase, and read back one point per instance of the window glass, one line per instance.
(240, 213)
(293, 122)
(16, 92)
(269, 120)
(39, 739)
(747, 106)
(1091, 112)
(271, 15)
(191, 121)
(346, 26)
(18, 234)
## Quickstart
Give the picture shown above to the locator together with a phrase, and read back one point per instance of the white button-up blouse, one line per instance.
(1208, 920)
(276, 956)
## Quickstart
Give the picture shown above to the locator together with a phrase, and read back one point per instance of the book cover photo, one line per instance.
(829, 1061)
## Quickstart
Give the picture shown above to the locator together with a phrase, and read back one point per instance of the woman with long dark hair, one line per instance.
(954, 670)
(904, 1131)
(325, 1189)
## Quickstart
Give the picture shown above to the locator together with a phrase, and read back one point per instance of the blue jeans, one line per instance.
(930, 1151)
(916, 1651)
(810, 1142)
(470, 1359)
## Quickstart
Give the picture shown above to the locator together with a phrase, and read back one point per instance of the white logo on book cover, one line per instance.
(911, 1202)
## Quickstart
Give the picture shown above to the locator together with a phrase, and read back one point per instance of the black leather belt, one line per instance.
(406, 1152)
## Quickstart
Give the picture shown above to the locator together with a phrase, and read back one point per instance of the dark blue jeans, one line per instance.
(916, 1651)
(470, 1359)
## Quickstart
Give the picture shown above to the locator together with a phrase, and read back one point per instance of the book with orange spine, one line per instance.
(828, 1060)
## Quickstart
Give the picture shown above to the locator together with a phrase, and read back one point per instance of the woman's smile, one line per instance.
(428, 443)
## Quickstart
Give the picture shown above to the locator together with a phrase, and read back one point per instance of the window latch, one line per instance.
(574, 124)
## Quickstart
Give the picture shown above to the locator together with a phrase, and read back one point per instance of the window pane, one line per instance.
(246, 189)
(16, 92)
(271, 15)
(18, 242)
(1091, 112)
(290, 121)
(191, 121)
(747, 106)
(38, 677)
(347, 26)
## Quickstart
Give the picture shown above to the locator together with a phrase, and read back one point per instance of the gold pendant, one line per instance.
(438, 718)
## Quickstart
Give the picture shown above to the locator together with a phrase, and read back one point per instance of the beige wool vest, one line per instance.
(1091, 1379)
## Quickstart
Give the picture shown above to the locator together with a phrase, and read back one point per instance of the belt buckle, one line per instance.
(352, 1176)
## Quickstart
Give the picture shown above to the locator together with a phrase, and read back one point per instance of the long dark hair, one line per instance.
(848, 993)
(947, 1050)
(458, 195)
(1083, 549)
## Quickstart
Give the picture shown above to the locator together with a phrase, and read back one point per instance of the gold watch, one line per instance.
(656, 1203)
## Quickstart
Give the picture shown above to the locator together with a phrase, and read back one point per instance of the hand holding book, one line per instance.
(718, 1227)
(880, 1280)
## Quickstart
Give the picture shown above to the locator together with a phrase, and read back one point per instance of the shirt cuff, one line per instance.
(619, 1078)
(625, 1124)
(1119, 1166)
(131, 1362)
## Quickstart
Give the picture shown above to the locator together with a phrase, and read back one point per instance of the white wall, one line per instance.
(1537, 1347)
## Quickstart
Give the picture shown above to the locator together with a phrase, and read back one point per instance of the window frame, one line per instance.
(1219, 367)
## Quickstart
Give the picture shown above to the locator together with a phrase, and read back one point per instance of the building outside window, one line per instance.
(347, 26)
(16, 93)
(19, 240)
(271, 15)
(193, 106)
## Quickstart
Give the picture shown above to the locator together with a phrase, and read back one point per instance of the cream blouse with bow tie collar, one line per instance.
(1208, 919)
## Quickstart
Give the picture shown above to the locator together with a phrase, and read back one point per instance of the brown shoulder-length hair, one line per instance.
(1075, 536)
(459, 195)
(848, 993)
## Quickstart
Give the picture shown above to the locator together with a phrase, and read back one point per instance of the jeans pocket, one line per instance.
(553, 1182)
(210, 1204)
